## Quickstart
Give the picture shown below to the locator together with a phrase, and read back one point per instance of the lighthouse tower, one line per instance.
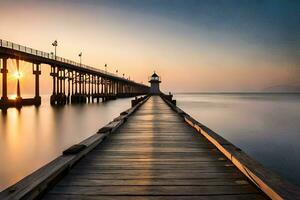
(154, 81)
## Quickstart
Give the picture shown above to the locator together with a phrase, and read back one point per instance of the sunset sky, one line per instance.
(195, 45)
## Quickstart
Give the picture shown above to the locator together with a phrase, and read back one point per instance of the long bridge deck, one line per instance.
(155, 155)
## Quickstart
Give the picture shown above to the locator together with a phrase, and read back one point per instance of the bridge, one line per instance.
(72, 82)
(153, 150)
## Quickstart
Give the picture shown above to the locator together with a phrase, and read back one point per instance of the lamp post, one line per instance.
(117, 72)
(55, 45)
(80, 55)
(105, 68)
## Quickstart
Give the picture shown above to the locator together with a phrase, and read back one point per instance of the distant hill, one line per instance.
(283, 88)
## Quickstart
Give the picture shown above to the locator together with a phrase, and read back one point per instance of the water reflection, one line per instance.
(32, 136)
(266, 126)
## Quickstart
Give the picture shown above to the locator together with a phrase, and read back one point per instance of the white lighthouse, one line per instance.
(155, 81)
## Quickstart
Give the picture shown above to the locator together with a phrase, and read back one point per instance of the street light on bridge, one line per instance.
(80, 55)
(105, 68)
(55, 45)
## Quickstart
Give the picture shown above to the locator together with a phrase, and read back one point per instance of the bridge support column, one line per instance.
(89, 91)
(92, 92)
(57, 81)
(64, 81)
(72, 81)
(18, 98)
(98, 85)
(69, 79)
(4, 72)
(53, 96)
(79, 80)
(37, 73)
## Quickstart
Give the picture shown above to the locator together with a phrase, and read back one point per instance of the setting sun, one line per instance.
(18, 75)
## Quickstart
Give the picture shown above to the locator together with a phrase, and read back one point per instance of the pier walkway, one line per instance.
(155, 155)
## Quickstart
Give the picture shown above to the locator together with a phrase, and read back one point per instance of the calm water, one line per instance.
(266, 126)
(32, 137)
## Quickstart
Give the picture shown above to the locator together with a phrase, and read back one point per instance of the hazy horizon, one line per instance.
(206, 46)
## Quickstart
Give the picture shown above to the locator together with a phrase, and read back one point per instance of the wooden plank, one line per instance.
(154, 190)
(95, 175)
(115, 197)
(158, 182)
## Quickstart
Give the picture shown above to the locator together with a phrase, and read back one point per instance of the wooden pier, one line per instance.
(155, 154)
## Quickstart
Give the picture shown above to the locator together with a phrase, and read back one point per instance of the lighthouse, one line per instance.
(154, 81)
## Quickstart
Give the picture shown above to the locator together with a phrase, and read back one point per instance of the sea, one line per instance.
(265, 126)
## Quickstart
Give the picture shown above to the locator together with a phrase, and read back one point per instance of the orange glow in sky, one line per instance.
(190, 57)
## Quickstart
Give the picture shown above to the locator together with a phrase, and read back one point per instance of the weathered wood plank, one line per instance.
(145, 182)
(155, 190)
(115, 197)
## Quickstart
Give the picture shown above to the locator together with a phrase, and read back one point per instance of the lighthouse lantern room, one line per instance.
(154, 81)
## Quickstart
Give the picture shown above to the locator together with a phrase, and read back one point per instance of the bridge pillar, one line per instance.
(82, 84)
(102, 86)
(52, 73)
(69, 79)
(18, 98)
(53, 96)
(89, 91)
(75, 83)
(60, 81)
(80, 89)
(64, 81)
(72, 81)
(37, 72)
(4, 72)
(57, 80)
(92, 90)
(98, 86)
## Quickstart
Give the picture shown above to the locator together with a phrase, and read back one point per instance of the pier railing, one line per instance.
(25, 49)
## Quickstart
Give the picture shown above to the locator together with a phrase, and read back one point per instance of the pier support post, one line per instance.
(37, 73)
(98, 84)
(57, 81)
(4, 72)
(89, 95)
(53, 96)
(19, 98)
(69, 79)
(72, 81)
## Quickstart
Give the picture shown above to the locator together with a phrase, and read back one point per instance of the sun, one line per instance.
(18, 75)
